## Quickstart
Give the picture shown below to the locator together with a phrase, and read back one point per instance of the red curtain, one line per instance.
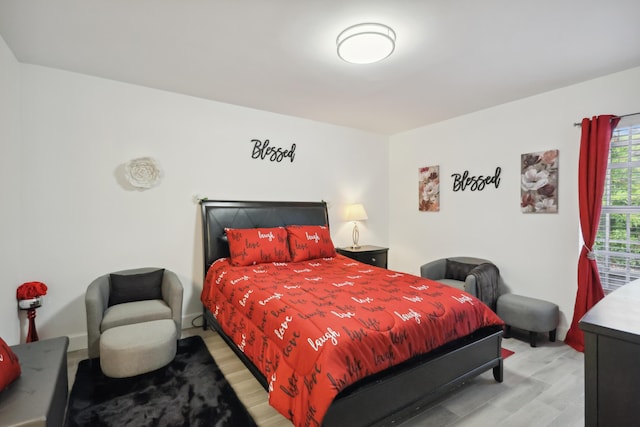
(592, 170)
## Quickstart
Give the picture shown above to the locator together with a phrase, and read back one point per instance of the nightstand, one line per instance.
(372, 255)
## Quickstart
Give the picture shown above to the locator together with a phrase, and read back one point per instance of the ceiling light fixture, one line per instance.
(366, 43)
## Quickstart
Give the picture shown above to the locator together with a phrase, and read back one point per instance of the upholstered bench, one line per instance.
(129, 350)
(39, 396)
(530, 314)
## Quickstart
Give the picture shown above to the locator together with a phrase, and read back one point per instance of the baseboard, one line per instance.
(79, 341)
(561, 333)
(193, 320)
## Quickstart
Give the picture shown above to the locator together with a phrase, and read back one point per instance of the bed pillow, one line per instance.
(9, 365)
(135, 287)
(248, 246)
(457, 270)
(310, 242)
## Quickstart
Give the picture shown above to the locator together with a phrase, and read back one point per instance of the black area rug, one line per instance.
(190, 391)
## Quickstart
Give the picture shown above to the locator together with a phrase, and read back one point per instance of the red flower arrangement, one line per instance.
(30, 290)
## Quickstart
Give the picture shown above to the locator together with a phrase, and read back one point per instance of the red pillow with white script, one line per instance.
(248, 246)
(310, 242)
(9, 365)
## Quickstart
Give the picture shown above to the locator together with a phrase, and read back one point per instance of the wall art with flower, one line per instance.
(539, 182)
(429, 189)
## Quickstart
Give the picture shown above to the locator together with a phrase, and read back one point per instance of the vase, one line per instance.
(30, 305)
(32, 335)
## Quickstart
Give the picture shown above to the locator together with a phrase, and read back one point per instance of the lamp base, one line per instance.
(355, 235)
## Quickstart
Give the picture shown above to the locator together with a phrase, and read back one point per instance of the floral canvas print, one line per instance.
(429, 189)
(539, 182)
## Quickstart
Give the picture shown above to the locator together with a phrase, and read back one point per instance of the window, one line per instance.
(617, 245)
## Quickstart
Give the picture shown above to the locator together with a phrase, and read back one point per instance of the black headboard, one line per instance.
(220, 214)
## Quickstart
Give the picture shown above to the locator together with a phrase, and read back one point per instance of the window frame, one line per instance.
(617, 268)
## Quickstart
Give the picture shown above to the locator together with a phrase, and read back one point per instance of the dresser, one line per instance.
(612, 358)
(368, 254)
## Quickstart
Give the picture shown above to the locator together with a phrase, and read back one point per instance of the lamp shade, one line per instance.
(366, 43)
(356, 212)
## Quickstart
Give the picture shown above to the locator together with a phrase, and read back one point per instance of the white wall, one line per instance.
(536, 253)
(10, 214)
(74, 218)
(82, 222)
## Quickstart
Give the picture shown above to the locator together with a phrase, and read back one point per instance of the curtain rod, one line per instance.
(625, 115)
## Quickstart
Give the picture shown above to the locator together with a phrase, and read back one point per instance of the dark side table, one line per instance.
(368, 254)
(39, 396)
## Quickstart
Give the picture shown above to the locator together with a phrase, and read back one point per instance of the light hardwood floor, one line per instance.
(543, 386)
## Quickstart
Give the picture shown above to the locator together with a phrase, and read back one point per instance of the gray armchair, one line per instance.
(101, 316)
(437, 270)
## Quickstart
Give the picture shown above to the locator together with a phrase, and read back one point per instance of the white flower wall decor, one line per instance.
(539, 182)
(143, 173)
(429, 189)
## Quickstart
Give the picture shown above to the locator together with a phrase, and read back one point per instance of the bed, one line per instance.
(380, 396)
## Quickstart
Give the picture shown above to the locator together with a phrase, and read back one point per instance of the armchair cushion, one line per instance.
(124, 288)
(457, 270)
(460, 284)
(134, 312)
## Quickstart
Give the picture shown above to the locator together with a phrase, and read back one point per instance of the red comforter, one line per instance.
(314, 327)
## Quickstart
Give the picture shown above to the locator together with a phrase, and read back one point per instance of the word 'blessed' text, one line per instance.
(262, 150)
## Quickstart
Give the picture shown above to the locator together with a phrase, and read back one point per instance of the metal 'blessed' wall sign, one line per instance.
(475, 183)
(263, 150)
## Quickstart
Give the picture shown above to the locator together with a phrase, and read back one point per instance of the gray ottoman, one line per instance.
(531, 314)
(135, 349)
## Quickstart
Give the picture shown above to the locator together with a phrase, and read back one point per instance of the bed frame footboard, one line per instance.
(399, 392)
